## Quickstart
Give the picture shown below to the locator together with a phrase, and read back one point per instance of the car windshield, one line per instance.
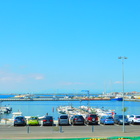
(49, 118)
(19, 117)
(33, 118)
(79, 117)
(63, 117)
(109, 117)
(137, 116)
(93, 116)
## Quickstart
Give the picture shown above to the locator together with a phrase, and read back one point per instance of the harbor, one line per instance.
(71, 107)
(41, 104)
(40, 108)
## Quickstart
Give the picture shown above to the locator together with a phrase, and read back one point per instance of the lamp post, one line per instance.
(122, 58)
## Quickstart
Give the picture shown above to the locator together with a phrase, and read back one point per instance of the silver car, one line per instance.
(63, 120)
(118, 119)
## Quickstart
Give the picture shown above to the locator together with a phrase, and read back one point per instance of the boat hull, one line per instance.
(117, 99)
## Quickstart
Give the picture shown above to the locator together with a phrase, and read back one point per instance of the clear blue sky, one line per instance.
(69, 45)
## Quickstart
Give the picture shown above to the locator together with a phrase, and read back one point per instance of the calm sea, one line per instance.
(40, 108)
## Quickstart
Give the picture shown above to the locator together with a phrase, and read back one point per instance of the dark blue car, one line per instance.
(19, 120)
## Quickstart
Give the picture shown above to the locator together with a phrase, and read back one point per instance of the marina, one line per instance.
(55, 108)
(41, 104)
(40, 108)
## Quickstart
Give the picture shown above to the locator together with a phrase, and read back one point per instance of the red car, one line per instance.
(91, 119)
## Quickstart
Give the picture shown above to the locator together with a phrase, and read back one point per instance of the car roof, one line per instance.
(48, 117)
(63, 115)
(78, 115)
(106, 116)
(33, 117)
(19, 116)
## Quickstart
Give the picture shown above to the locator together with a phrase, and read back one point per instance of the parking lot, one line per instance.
(76, 131)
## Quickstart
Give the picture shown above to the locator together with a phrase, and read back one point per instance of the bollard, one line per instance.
(28, 129)
(92, 128)
(60, 129)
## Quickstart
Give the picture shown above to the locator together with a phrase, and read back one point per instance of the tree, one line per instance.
(124, 109)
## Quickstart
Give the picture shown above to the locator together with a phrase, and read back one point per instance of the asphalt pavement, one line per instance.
(55, 132)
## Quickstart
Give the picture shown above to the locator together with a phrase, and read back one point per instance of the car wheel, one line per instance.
(119, 123)
(132, 122)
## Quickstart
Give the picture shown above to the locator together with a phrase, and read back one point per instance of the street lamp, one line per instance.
(122, 58)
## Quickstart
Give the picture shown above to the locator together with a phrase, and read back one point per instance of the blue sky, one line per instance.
(54, 46)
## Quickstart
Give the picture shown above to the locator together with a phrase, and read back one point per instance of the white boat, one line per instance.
(65, 109)
(15, 114)
(101, 112)
(5, 109)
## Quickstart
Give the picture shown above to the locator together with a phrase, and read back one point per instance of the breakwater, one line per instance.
(50, 99)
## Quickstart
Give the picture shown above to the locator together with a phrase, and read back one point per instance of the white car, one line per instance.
(134, 119)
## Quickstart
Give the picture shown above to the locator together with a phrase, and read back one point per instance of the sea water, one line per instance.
(41, 108)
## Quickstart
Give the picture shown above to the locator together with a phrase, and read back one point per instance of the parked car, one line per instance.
(47, 120)
(91, 119)
(33, 121)
(106, 120)
(134, 119)
(63, 120)
(77, 119)
(19, 120)
(118, 119)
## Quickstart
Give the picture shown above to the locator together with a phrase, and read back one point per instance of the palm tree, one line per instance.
(125, 109)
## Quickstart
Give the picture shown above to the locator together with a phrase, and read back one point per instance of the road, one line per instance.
(42, 132)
